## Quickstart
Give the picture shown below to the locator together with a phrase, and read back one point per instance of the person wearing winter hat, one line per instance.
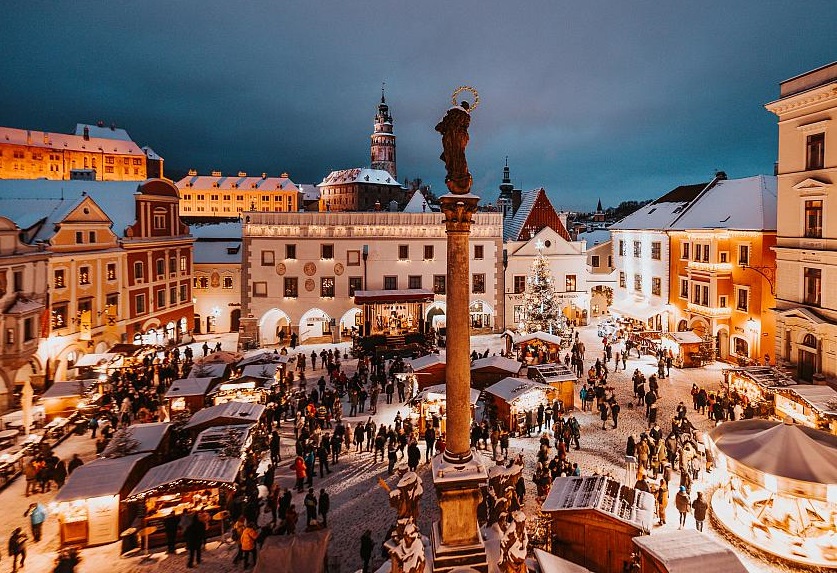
(683, 504)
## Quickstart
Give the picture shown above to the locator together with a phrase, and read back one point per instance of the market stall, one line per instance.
(685, 346)
(133, 354)
(511, 398)
(491, 369)
(558, 376)
(187, 395)
(226, 414)
(758, 384)
(812, 406)
(216, 370)
(429, 406)
(429, 369)
(538, 348)
(245, 389)
(595, 519)
(779, 488)
(64, 398)
(151, 438)
(224, 440)
(201, 482)
(89, 507)
(688, 550)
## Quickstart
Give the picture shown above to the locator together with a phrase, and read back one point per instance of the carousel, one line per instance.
(779, 488)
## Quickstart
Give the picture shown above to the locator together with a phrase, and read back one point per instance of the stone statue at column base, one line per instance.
(408, 555)
(514, 545)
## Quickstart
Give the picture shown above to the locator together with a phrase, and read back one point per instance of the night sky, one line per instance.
(618, 99)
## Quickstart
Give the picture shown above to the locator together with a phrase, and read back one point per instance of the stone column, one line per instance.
(458, 211)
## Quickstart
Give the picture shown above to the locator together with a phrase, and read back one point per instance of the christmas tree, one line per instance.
(540, 303)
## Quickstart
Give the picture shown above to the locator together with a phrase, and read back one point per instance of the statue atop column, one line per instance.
(454, 130)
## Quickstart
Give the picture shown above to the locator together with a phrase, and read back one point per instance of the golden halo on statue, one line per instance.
(472, 105)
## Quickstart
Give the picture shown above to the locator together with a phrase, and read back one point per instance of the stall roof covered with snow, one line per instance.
(263, 371)
(511, 389)
(688, 551)
(212, 370)
(497, 363)
(148, 437)
(425, 362)
(189, 387)
(69, 389)
(440, 392)
(190, 472)
(222, 437)
(540, 336)
(226, 414)
(550, 563)
(551, 373)
(101, 477)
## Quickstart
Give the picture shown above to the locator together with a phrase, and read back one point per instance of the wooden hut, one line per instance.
(685, 346)
(430, 406)
(64, 398)
(539, 347)
(152, 438)
(492, 369)
(594, 520)
(684, 552)
(187, 395)
(558, 376)
(226, 414)
(429, 370)
(810, 405)
(511, 398)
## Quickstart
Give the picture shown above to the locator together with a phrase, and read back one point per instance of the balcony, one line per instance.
(710, 267)
(710, 311)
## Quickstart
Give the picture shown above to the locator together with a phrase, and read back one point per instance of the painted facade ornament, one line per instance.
(309, 269)
(281, 269)
(338, 269)
(309, 284)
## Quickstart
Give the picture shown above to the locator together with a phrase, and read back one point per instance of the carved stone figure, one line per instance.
(405, 499)
(454, 130)
(408, 555)
(514, 545)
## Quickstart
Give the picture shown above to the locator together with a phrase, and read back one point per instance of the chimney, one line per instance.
(100, 123)
(517, 199)
(28, 137)
(193, 172)
(46, 137)
(284, 175)
(264, 176)
(113, 127)
(721, 175)
(86, 135)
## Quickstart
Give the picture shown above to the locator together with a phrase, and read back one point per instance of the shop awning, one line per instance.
(101, 477)
(511, 389)
(637, 310)
(148, 437)
(689, 551)
(393, 296)
(193, 471)
(189, 387)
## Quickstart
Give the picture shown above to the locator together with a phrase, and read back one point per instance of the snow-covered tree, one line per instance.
(540, 302)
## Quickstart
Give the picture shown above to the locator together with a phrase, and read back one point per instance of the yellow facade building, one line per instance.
(221, 196)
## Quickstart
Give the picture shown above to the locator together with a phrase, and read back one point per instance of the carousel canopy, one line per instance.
(98, 478)
(426, 361)
(393, 296)
(497, 363)
(148, 437)
(689, 551)
(440, 392)
(779, 449)
(539, 335)
(189, 387)
(511, 389)
(201, 470)
(226, 414)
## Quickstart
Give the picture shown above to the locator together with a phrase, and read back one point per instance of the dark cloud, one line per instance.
(619, 100)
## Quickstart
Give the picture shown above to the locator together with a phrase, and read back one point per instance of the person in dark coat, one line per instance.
(413, 456)
(194, 536)
(323, 505)
(366, 546)
(74, 463)
(310, 503)
(429, 441)
(699, 506)
(170, 525)
(17, 547)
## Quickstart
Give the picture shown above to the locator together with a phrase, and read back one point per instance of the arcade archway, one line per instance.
(274, 327)
(314, 324)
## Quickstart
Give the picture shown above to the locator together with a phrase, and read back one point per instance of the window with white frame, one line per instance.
(742, 295)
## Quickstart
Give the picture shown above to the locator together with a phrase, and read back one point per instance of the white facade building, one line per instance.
(216, 284)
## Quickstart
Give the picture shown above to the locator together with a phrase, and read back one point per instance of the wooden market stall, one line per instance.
(558, 376)
(429, 369)
(221, 438)
(187, 395)
(538, 348)
(89, 506)
(809, 405)
(226, 414)
(216, 370)
(245, 389)
(200, 482)
(689, 550)
(512, 397)
(685, 346)
(64, 398)
(429, 406)
(758, 384)
(595, 519)
(491, 369)
(151, 438)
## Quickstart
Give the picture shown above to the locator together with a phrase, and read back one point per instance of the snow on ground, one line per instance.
(359, 502)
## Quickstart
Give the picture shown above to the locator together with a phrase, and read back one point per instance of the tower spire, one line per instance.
(383, 139)
(383, 85)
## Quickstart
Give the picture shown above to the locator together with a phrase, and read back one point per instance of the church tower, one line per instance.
(383, 140)
(504, 202)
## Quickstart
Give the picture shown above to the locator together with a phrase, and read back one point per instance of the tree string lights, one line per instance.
(540, 302)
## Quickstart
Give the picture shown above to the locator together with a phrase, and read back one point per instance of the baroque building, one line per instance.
(218, 196)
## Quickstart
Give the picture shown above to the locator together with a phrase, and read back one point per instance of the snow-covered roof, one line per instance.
(28, 201)
(310, 192)
(360, 175)
(550, 563)
(206, 182)
(417, 203)
(148, 437)
(103, 131)
(72, 142)
(151, 154)
(549, 373)
(685, 337)
(426, 361)
(514, 226)
(260, 370)
(189, 387)
(539, 335)
(602, 494)
(223, 230)
(822, 398)
(595, 237)
(498, 362)
(438, 391)
(210, 369)
(199, 468)
(741, 204)
(225, 414)
(101, 477)
(690, 551)
(213, 439)
(224, 252)
(96, 359)
(265, 357)
(69, 389)
(511, 389)
(659, 214)
(22, 305)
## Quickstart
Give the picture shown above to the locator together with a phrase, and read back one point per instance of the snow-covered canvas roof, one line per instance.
(602, 494)
(72, 142)
(148, 437)
(741, 204)
(189, 387)
(225, 414)
(690, 551)
(360, 175)
(199, 468)
(101, 477)
(497, 362)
